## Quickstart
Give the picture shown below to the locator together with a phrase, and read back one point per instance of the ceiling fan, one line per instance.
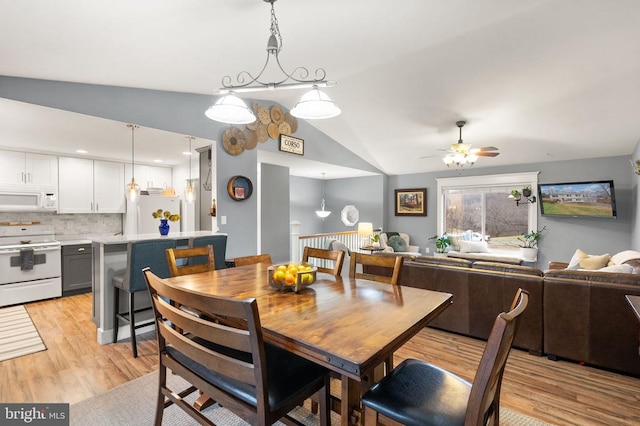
(461, 153)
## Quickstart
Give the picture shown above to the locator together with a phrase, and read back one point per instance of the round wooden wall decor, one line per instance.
(239, 188)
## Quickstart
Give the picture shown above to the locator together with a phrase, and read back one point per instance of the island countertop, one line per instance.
(123, 239)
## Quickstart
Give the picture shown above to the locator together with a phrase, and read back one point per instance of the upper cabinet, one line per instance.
(88, 186)
(149, 176)
(28, 169)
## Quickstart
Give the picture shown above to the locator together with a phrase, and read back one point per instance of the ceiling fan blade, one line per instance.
(430, 156)
(486, 154)
(483, 149)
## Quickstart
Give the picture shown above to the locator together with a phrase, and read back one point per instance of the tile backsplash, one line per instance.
(71, 224)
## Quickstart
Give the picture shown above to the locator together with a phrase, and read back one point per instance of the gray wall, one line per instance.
(565, 235)
(274, 219)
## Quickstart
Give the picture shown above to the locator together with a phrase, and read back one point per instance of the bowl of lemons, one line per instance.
(291, 276)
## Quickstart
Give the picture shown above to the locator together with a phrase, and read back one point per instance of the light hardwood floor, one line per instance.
(75, 367)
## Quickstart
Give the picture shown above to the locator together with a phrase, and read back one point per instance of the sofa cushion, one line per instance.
(585, 261)
(449, 261)
(397, 243)
(473, 247)
(594, 262)
(624, 256)
(621, 269)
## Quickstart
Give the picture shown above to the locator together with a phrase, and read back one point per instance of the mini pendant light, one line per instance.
(190, 191)
(132, 190)
(322, 213)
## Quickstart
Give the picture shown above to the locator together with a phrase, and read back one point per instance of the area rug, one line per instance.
(18, 334)
(133, 403)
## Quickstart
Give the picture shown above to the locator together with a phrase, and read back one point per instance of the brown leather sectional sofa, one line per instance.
(581, 316)
(480, 291)
(587, 318)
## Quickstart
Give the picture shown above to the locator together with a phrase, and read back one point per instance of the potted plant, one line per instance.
(526, 191)
(375, 240)
(529, 244)
(441, 244)
(515, 194)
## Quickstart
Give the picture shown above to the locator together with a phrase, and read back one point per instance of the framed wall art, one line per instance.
(411, 202)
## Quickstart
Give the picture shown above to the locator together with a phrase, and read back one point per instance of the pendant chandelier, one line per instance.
(313, 104)
(322, 213)
(132, 190)
(190, 191)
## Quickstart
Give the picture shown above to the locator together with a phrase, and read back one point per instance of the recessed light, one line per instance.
(186, 153)
(82, 151)
(157, 161)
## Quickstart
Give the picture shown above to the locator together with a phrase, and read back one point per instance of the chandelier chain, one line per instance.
(275, 29)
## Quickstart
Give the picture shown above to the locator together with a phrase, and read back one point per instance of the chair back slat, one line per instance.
(174, 256)
(336, 256)
(252, 260)
(391, 263)
(484, 400)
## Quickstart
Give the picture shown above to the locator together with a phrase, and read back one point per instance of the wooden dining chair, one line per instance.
(438, 396)
(336, 256)
(252, 260)
(391, 265)
(179, 263)
(257, 381)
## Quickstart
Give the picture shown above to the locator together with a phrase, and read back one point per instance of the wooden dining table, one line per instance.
(348, 325)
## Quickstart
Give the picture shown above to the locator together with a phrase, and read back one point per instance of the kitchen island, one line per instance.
(110, 259)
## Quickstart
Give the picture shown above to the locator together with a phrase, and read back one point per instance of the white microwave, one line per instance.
(15, 199)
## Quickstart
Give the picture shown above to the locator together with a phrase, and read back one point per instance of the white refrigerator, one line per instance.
(139, 217)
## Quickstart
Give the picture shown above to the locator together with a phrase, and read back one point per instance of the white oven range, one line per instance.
(29, 264)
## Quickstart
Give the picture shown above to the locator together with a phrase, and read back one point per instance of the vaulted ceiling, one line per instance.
(542, 80)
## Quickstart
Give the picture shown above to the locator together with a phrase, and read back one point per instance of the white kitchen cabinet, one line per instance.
(25, 168)
(88, 186)
(149, 176)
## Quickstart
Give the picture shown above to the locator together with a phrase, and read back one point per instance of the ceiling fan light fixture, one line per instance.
(230, 109)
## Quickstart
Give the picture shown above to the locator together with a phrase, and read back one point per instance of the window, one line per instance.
(479, 206)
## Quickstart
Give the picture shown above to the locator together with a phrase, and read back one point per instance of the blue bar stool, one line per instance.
(219, 243)
(140, 254)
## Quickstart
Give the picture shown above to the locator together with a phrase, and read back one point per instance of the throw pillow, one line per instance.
(595, 262)
(624, 256)
(619, 269)
(397, 243)
(473, 247)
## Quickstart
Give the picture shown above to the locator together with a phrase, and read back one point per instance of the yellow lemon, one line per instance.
(306, 278)
(278, 276)
(282, 268)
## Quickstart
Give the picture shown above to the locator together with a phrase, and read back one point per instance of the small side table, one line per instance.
(372, 249)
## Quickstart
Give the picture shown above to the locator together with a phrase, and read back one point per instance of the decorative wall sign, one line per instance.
(411, 202)
(239, 188)
(291, 144)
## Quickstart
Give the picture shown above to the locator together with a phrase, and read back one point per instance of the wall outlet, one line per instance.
(223, 220)
(426, 250)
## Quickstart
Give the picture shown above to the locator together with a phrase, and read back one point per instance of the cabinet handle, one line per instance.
(91, 204)
(29, 177)
(97, 207)
(81, 249)
(22, 177)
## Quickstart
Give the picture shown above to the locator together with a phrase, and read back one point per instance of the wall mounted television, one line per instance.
(578, 199)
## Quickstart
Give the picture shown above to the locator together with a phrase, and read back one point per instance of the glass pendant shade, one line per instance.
(322, 213)
(315, 105)
(133, 191)
(189, 192)
(230, 109)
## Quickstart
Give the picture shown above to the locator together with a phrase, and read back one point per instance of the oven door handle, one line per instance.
(35, 250)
